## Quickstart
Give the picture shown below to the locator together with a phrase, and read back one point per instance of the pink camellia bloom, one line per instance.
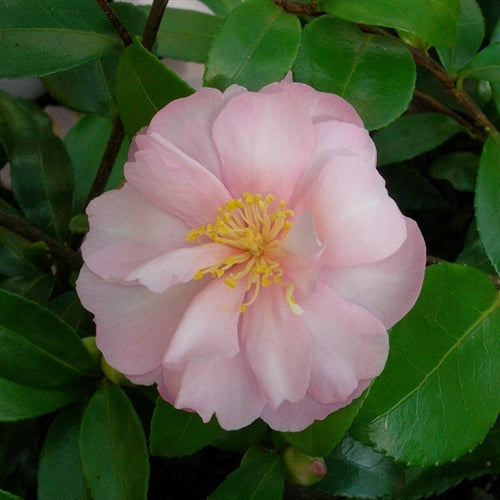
(253, 261)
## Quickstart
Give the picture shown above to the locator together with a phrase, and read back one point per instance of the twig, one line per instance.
(117, 24)
(153, 23)
(19, 226)
(299, 9)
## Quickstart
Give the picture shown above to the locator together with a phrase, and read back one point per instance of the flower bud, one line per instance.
(303, 469)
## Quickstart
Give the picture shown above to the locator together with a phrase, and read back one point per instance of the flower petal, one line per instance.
(134, 326)
(209, 327)
(277, 346)
(126, 231)
(388, 288)
(264, 141)
(174, 182)
(321, 106)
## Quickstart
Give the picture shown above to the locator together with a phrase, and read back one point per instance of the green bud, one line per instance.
(90, 345)
(303, 469)
(114, 375)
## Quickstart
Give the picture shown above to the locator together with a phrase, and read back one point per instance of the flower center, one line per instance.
(253, 225)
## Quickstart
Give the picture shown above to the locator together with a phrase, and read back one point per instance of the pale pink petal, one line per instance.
(127, 231)
(353, 214)
(349, 344)
(222, 386)
(174, 182)
(178, 266)
(209, 327)
(134, 326)
(277, 346)
(321, 106)
(264, 141)
(389, 288)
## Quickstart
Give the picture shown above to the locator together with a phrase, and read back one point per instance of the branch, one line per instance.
(153, 23)
(117, 24)
(19, 226)
(298, 8)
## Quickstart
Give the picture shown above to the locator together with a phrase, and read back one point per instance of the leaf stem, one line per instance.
(117, 24)
(153, 23)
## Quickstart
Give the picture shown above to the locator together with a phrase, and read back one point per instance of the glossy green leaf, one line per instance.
(52, 355)
(256, 45)
(459, 168)
(144, 86)
(85, 143)
(36, 287)
(42, 184)
(473, 252)
(336, 56)
(36, 40)
(69, 308)
(413, 134)
(222, 7)
(487, 200)
(60, 473)
(175, 433)
(433, 21)
(261, 476)
(437, 397)
(113, 449)
(186, 35)
(485, 66)
(322, 436)
(469, 38)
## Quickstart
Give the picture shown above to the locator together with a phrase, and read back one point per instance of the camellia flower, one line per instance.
(253, 261)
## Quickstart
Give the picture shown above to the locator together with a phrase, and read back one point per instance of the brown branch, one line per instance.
(153, 23)
(299, 9)
(17, 225)
(117, 24)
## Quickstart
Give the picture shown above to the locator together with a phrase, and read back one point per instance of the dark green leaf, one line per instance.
(412, 135)
(434, 22)
(221, 7)
(242, 439)
(113, 450)
(322, 436)
(52, 355)
(186, 35)
(42, 184)
(144, 86)
(437, 397)
(36, 40)
(459, 168)
(335, 56)
(485, 66)
(60, 473)
(175, 433)
(37, 287)
(261, 477)
(69, 308)
(488, 200)
(5, 495)
(256, 45)
(473, 253)
(469, 38)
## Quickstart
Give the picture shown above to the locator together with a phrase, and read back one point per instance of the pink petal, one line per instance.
(209, 327)
(264, 141)
(134, 326)
(178, 266)
(277, 346)
(388, 288)
(222, 386)
(349, 345)
(126, 231)
(321, 106)
(353, 214)
(174, 182)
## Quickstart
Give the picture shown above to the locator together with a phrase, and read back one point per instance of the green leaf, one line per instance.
(175, 433)
(69, 308)
(487, 200)
(459, 168)
(36, 287)
(5, 495)
(256, 45)
(85, 143)
(36, 40)
(186, 35)
(319, 439)
(413, 134)
(485, 66)
(433, 21)
(42, 184)
(144, 86)
(59, 472)
(221, 7)
(52, 355)
(260, 477)
(242, 439)
(469, 38)
(473, 253)
(438, 396)
(113, 450)
(336, 56)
